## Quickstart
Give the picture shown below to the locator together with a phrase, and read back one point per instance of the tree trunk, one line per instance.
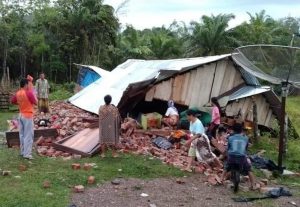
(4, 65)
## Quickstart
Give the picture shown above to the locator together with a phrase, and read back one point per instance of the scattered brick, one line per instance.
(22, 168)
(46, 184)
(76, 166)
(91, 180)
(78, 188)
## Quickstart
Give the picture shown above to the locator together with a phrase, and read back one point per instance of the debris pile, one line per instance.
(44, 147)
(65, 117)
(142, 144)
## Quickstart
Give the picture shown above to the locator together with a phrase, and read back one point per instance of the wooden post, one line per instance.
(286, 127)
(255, 124)
(284, 90)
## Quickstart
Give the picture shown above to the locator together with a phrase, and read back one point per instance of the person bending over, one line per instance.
(237, 154)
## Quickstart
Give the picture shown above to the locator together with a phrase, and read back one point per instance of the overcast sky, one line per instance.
(148, 13)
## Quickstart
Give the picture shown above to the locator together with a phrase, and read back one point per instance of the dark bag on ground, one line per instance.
(162, 143)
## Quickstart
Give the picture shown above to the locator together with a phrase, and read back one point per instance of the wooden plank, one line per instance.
(238, 77)
(260, 108)
(185, 87)
(268, 119)
(197, 87)
(264, 114)
(232, 78)
(85, 143)
(163, 91)
(204, 82)
(247, 107)
(190, 87)
(150, 94)
(177, 88)
(12, 138)
(217, 84)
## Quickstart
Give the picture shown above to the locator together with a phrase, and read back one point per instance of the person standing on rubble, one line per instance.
(25, 99)
(109, 126)
(215, 118)
(42, 87)
(171, 117)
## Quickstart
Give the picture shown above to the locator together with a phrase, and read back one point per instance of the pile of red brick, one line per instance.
(65, 117)
(69, 119)
(142, 145)
(44, 148)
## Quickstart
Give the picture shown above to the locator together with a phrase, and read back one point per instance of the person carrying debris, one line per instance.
(237, 154)
(201, 149)
(171, 117)
(25, 99)
(109, 126)
(199, 144)
(42, 87)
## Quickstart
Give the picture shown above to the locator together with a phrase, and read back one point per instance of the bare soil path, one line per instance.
(166, 192)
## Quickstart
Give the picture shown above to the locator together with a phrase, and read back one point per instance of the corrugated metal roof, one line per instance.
(131, 71)
(247, 91)
(249, 79)
(100, 71)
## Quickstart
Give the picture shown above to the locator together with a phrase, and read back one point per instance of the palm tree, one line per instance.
(210, 36)
(164, 44)
(261, 29)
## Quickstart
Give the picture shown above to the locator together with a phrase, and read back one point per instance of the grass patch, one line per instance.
(291, 161)
(293, 111)
(27, 191)
(4, 116)
(60, 94)
(61, 91)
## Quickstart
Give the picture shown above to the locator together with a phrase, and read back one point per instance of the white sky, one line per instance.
(148, 13)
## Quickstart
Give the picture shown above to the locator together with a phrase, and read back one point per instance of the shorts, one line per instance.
(242, 162)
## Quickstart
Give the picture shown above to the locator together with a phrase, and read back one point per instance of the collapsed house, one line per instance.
(190, 82)
(88, 74)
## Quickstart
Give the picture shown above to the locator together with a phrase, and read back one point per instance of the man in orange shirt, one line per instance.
(26, 100)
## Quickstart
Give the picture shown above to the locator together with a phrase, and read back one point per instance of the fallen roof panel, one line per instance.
(131, 71)
(100, 71)
(247, 91)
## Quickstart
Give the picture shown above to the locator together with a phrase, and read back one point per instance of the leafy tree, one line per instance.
(210, 36)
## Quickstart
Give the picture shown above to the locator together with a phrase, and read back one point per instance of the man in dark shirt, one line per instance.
(237, 154)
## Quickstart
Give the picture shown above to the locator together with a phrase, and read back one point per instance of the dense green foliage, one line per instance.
(44, 35)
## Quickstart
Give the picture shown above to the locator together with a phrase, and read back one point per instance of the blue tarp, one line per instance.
(86, 77)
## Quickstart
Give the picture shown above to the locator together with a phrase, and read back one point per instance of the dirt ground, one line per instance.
(165, 192)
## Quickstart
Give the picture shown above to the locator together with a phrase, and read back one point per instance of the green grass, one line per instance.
(5, 115)
(291, 161)
(60, 94)
(27, 191)
(293, 111)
